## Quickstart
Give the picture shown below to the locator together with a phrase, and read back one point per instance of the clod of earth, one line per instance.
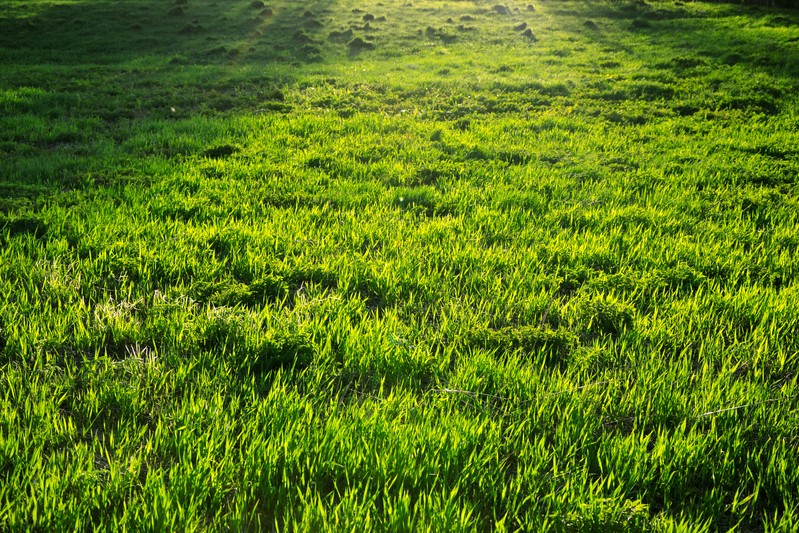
(308, 51)
(216, 51)
(520, 27)
(257, 4)
(358, 44)
(190, 29)
(591, 25)
(528, 33)
(301, 37)
(500, 9)
(220, 152)
(340, 36)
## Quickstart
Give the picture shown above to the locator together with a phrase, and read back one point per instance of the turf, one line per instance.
(399, 266)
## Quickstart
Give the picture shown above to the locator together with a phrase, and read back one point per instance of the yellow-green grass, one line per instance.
(258, 274)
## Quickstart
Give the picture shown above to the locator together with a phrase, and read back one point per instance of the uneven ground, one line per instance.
(446, 266)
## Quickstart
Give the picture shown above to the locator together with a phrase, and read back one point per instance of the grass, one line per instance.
(397, 266)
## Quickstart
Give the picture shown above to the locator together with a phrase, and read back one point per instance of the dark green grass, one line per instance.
(256, 273)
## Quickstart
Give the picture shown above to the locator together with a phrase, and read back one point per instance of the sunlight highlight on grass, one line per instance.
(398, 266)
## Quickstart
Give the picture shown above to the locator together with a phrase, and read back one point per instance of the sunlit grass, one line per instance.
(254, 275)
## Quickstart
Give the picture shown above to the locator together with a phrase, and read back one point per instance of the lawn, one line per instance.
(341, 265)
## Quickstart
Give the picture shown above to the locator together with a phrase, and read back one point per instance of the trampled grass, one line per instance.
(398, 266)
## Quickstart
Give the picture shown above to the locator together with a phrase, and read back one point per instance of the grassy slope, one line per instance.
(253, 277)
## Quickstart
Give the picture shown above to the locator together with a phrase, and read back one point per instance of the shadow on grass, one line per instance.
(78, 77)
(768, 42)
(137, 32)
(150, 59)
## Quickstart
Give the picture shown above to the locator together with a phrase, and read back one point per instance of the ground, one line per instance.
(398, 266)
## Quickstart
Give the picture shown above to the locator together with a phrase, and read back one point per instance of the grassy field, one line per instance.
(346, 265)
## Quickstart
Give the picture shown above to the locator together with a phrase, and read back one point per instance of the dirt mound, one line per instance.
(191, 29)
(528, 33)
(500, 9)
(301, 37)
(591, 25)
(520, 27)
(358, 44)
(309, 52)
(219, 50)
(436, 33)
(257, 4)
(340, 36)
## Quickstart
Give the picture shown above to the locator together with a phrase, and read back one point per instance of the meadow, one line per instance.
(347, 265)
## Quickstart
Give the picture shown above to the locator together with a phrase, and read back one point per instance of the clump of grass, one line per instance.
(599, 314)
(540, 344)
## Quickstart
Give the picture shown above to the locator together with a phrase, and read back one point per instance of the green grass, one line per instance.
(256, 274)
